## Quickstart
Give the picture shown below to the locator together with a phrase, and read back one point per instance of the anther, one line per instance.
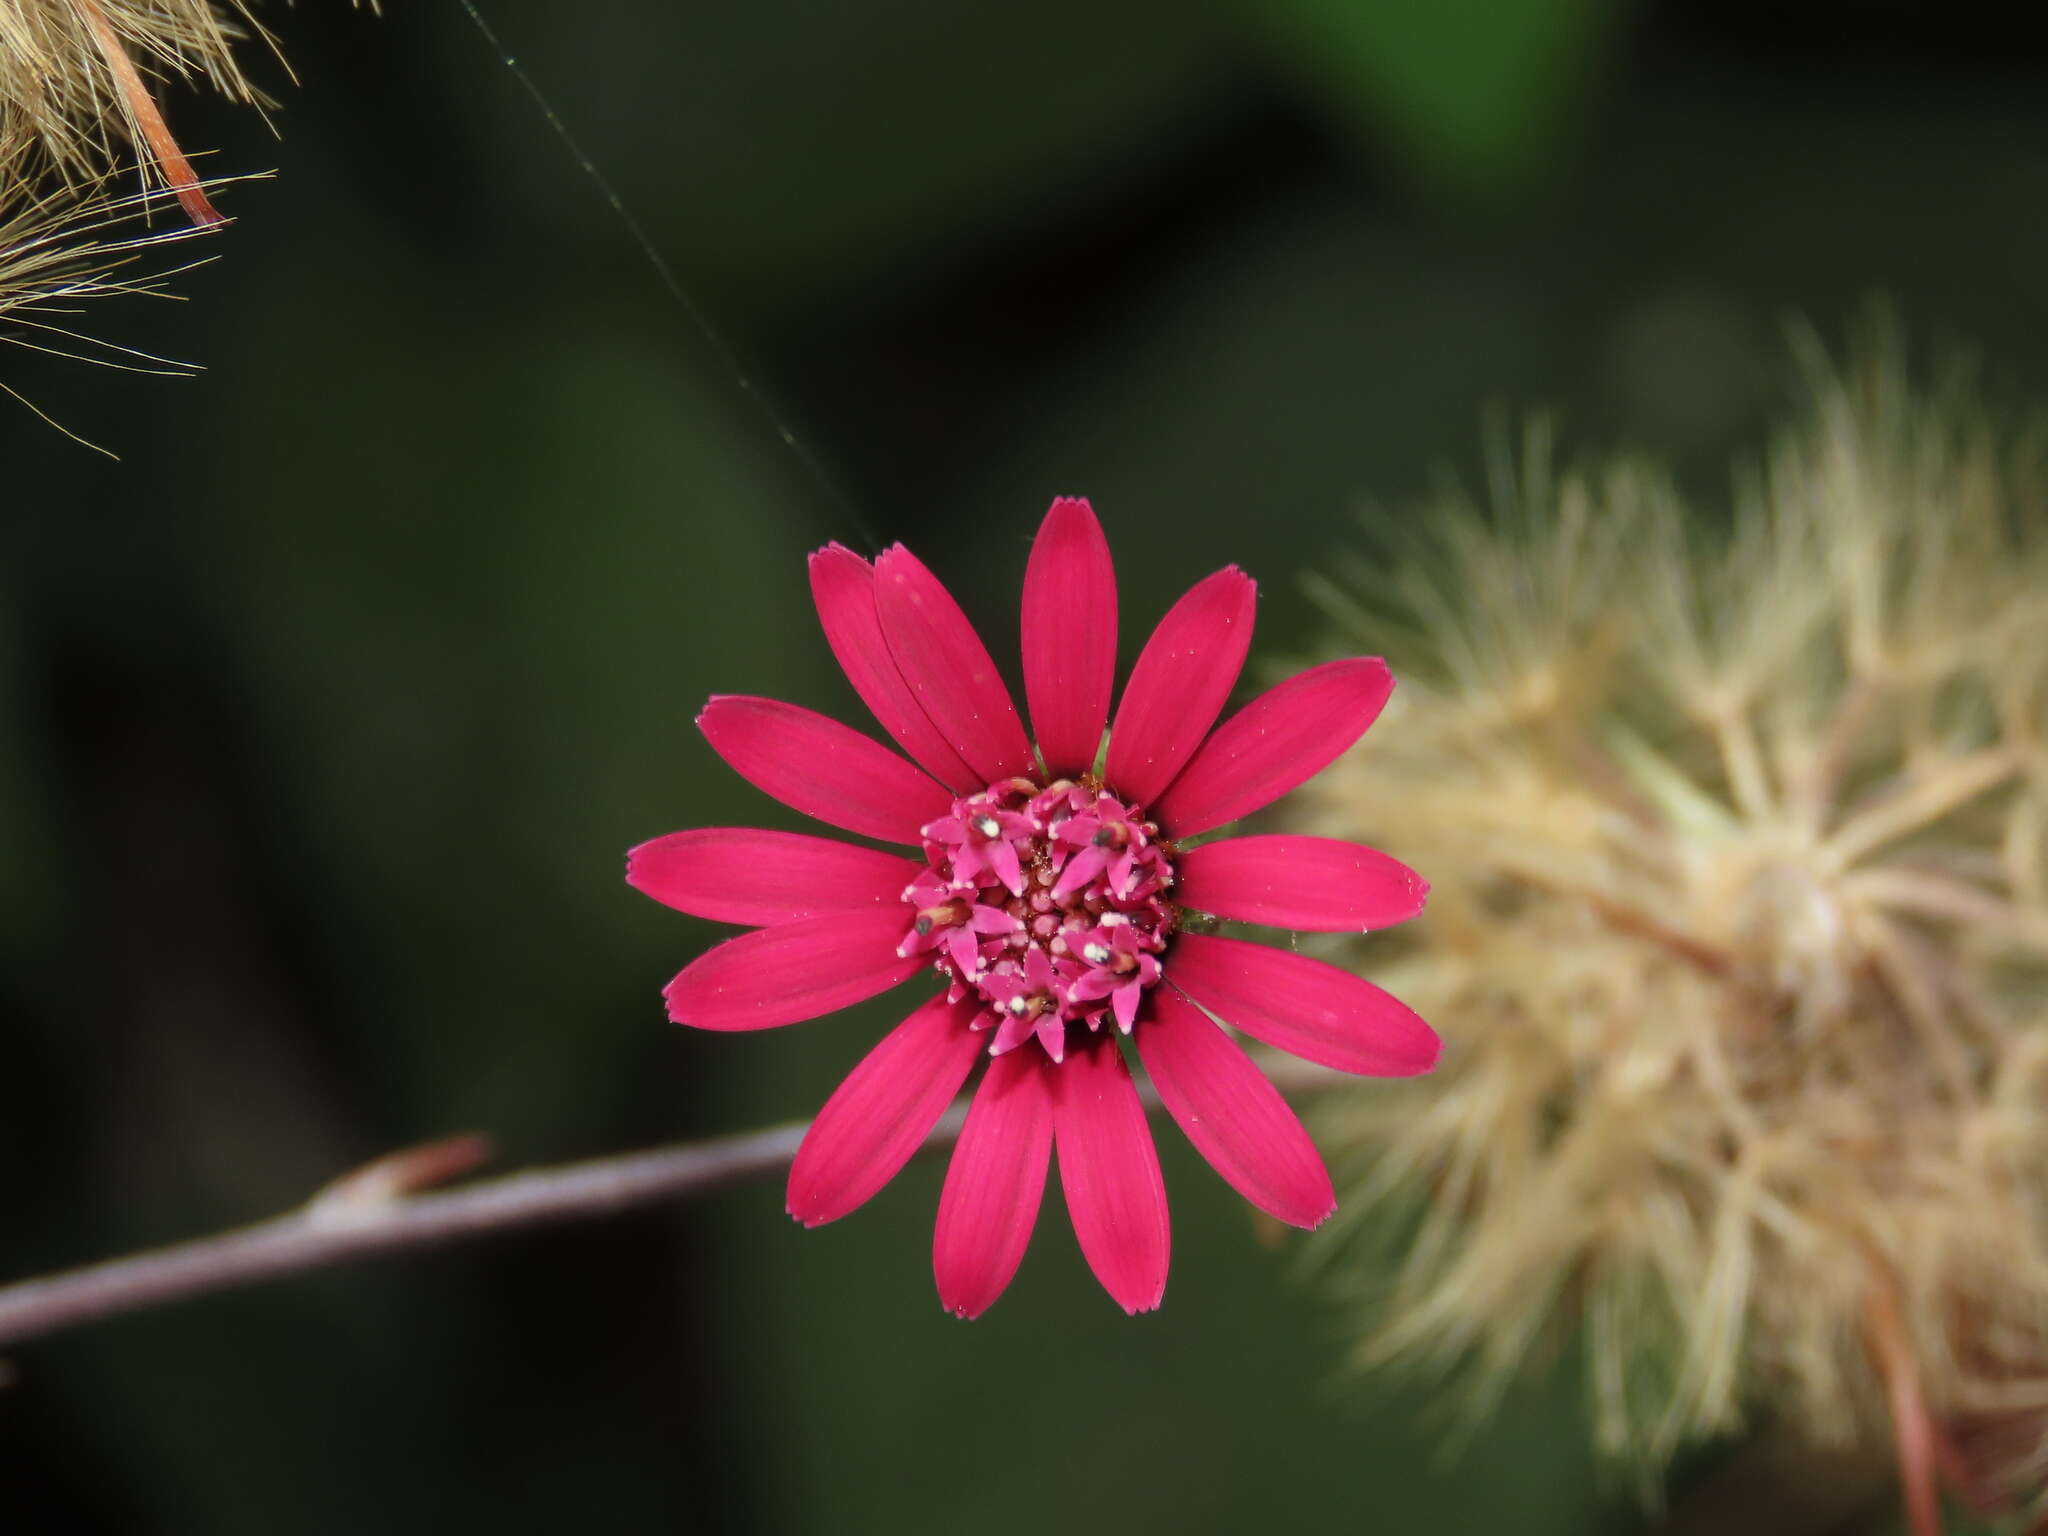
(945, 915)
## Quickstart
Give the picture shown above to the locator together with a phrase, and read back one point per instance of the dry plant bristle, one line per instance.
(72, 76)
(1738, 937)
(62, 250)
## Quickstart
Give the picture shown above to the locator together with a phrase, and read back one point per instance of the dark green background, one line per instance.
(326, 714)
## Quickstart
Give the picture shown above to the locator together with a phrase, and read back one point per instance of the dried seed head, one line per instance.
(1740, 918)
(71, 73)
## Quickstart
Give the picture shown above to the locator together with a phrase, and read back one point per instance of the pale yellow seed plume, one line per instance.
(1738, 937)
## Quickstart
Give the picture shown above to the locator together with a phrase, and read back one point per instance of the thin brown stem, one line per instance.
(1625, 917)
(1913, 1432)
(353, 1220)
(1831, 761)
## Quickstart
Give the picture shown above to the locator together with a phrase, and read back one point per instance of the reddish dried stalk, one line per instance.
(170, 160)
(1912, 1428)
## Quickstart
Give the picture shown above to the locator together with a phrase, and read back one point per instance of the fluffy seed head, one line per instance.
(1739, 846)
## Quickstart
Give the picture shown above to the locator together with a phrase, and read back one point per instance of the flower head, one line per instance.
(1739, 849)
(1051, 892)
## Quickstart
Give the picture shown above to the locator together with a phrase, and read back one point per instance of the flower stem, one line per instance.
(328, 1230)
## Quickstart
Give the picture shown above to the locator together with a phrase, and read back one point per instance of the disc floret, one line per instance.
(1049, 904)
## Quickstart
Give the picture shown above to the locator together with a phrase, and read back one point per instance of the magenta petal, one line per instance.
(1313, 884)
(793, 971)
(739, 875)
(1302, 1006)
(843, 586)
(993, 1184)
(1069, 636)
(883, 1111)
(1109, 1171)
(1282, 739)
(1014, 1030)
(822, 768)
(1183, 675)
(1235, 1118)
(948, 668)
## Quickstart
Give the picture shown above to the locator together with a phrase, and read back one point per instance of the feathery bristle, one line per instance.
(62, 250)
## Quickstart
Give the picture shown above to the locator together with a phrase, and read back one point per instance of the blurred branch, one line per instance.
(371, 1212)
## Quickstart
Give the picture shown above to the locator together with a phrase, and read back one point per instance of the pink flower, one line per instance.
(1050, 897)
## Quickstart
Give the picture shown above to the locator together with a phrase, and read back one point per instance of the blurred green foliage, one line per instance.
(1470, 99)
(329, 712)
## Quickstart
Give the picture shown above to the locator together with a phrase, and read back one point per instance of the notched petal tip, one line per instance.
(1141, 1308)
(636, 875)
(639, 855)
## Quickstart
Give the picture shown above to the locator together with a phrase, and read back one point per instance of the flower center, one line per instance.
(1049, 905)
